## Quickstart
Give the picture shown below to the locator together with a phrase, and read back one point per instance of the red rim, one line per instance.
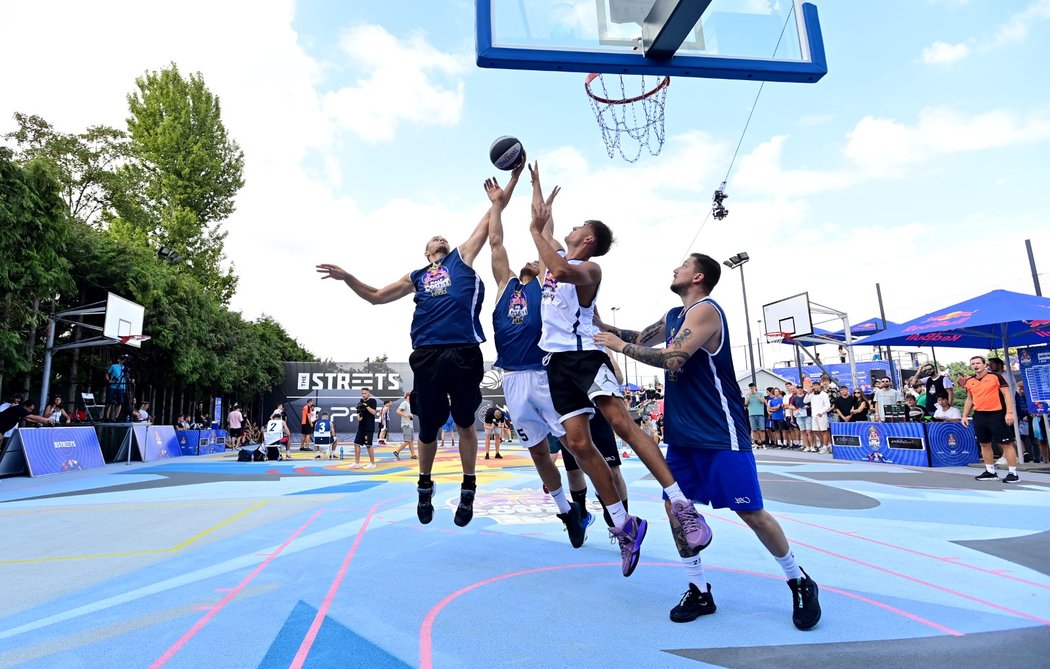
(664, 83)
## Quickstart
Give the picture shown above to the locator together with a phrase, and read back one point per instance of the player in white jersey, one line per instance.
(581, 378)
(275, 435)
(706, 429)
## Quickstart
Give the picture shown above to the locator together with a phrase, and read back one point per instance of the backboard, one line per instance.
(123, 319)
(762, 40)
(790, 315)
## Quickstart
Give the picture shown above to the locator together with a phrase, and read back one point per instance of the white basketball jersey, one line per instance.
(274, 432)
(567, 326)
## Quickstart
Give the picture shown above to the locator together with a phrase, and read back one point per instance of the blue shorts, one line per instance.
(449, 426)
(757, 422)
(724, 479)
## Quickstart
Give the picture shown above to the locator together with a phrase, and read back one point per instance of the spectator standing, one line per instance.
(776, 418)
(493, 430)
(408, 436)
(235, 422)
(306, 426)
(366, 427)
(803, 418)
(885, 394)
(116, 389)
(756, 414)
(861, 406)
(843, 406)
(384, 422)
(820, 405)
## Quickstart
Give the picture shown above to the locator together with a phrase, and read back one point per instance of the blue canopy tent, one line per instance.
(999, 319)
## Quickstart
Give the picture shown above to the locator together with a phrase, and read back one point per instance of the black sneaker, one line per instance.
(1011, 478)
(425, 508)
(805, 593)
(693, 605)
(574, 525)
(499, 457)
(987, 476)
(465, 510)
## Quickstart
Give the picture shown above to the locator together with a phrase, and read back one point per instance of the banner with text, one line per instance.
(1035, 370)
(60, 449)
(889, 443)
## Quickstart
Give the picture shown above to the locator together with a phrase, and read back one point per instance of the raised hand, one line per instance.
(332, 272)
(495, 192)
(541, 211)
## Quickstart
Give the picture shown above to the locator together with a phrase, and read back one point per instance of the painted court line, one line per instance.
(322, 611)
(177, 646)
(173, 549)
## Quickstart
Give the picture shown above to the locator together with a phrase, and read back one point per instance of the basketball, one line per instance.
(506, 152)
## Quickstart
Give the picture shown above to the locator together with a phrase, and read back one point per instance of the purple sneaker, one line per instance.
(697, 531)
(630, 539)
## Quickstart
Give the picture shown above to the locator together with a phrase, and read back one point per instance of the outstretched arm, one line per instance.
(650, 336)
(394, 291)
(500, 262)
(537, 197)
(470, 249)
(700, 326)
(584, 274)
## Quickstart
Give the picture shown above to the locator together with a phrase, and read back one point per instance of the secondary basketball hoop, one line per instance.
(628, 118)
(134, 340)
(776, 337)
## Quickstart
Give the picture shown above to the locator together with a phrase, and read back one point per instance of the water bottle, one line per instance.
(340, 452)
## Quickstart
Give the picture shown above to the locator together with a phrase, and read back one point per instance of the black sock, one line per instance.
(580, 497)
(470, 482)
(605, 513)
(424, 481)
(625, 505)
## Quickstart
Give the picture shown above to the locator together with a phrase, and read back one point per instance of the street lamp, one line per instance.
(614, 310)
(737, 262)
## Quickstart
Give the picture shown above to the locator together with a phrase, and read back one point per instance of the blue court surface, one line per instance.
(216, 563)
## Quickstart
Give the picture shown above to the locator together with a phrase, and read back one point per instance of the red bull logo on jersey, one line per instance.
(519, 308)
(437, 281)
(942, 321)
(550, 285)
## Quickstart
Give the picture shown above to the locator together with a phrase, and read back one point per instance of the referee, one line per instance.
(993, 413)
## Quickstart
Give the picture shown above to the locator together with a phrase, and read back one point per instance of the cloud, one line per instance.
(399, 82)
(942, 53)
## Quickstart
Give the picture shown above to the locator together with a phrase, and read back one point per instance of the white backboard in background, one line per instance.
(790, 315)
(123, 318)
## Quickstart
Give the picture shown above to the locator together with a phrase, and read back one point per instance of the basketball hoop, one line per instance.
(776, 337)
(639, 118)
(134, 339)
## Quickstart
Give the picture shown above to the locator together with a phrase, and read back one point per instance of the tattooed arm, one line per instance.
(650, 336)
(702, 328)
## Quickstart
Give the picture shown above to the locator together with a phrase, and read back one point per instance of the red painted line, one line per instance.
(322, 612)
(952, 560)
(177, 646)
(426, 630)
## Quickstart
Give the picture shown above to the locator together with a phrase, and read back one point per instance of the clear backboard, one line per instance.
(790, 316)
(763, 40)
(123, 319)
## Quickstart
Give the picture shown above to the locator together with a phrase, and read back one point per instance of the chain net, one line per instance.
(629, 121)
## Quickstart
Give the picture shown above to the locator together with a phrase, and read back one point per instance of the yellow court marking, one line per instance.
(176, 547)
(111, 507)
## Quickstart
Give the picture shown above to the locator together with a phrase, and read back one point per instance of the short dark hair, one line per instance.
(942, 396)
(603, 237)
(979, 357)
(710, 268)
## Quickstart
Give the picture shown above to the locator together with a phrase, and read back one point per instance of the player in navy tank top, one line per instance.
(706, 429)
(446, 359)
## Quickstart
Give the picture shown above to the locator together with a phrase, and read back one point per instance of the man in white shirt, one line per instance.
(884, 395)
(820, 405)
(945, 411)
(142, 415)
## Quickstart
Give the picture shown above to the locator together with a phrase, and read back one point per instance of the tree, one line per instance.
(190, 171)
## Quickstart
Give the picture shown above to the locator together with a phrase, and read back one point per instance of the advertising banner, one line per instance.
(187, 441)
(889, 443)
(840, 373)
(211, 441)
(58, 449)
(951, 445)
(157, 442)
(1035, 371)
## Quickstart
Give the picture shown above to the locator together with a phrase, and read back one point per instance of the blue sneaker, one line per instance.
(630, 538)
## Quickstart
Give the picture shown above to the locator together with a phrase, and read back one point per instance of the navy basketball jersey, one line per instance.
(517, 325)
(323, 431)
(702, 407)
(448, 304)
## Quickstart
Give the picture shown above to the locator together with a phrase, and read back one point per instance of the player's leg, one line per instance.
(464, 370)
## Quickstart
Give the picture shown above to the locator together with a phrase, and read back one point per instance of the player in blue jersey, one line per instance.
(446, 358)
(324, 436)
(581, 378)
(706, 429)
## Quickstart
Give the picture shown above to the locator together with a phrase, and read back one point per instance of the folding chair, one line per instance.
(94, 411)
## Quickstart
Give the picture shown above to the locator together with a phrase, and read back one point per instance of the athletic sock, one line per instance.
(990, 469)
(1013, 470)
(580, 497)
(618, 514)
(605, 514)
(695, 569)
(559, 499)
(625, 507)
(790, 567)
(470, 482)
(424, 481)
(674, 493)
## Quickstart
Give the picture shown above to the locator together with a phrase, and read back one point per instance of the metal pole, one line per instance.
(798, 364)
(882, 315)
(747, 321)
(45, 385)
(1031, 263)
(849, 349)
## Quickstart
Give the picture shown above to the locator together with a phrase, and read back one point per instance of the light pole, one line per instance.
(614, 310)
(737, 262)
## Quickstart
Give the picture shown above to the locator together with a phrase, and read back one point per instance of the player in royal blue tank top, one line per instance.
(446, 359)
(706, 429)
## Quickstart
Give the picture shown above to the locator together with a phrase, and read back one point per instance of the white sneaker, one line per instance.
(1001, 461)
(354, 465)
(370, 465)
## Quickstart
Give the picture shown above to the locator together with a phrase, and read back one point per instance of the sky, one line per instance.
(919, 162)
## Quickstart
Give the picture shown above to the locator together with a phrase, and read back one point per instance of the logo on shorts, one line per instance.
(743, 500)
(436, 281)
(519, 308)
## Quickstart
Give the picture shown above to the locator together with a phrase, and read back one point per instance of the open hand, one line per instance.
(610, 341)
(332, 272)
(495, 192)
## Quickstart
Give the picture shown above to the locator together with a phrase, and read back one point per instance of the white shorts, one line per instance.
(820, 423)
(529, 401)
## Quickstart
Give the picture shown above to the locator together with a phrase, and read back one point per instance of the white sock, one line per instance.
(674, 493)
(696, 572)
(559, 499)
(618, 514)
(990, 468)
(1013, 470)
(790, 567)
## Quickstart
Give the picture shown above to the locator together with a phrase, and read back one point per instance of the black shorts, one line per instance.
(306, 428)
(990, 427)
(576, 378)
(364, 435)
(447, 380)
(603, 438)
(236, 431)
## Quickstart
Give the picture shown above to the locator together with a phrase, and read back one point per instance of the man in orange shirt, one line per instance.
(307, 425)
(987, 394)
